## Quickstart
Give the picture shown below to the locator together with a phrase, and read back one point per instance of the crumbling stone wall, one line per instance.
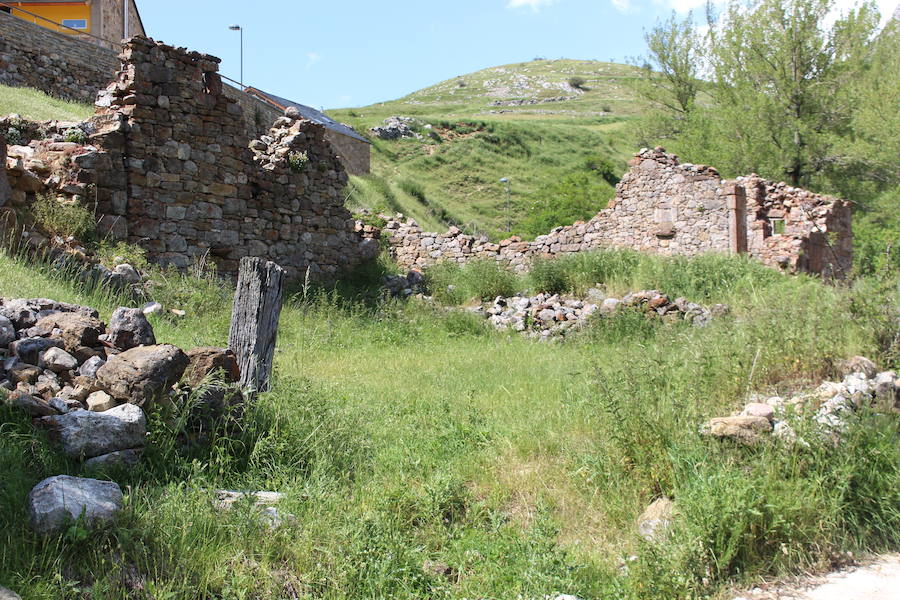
(668, 208)
(170, 168)
(54, 63)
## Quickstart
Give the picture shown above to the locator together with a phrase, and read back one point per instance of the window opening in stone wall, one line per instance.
(6, 9)
(777, 226)
(75, 23)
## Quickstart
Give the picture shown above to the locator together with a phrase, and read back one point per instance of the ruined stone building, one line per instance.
(168, 166)
(664, 207)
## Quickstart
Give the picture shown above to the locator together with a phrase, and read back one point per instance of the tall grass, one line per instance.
(403, 433)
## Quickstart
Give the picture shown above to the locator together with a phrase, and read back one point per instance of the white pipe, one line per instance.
(125, 27)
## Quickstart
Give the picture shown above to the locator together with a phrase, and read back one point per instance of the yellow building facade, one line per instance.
(111, 20)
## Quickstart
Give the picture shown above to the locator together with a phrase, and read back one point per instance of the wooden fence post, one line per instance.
(254, 320)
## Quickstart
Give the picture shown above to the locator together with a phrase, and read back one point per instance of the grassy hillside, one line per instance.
(403, 434)
(526, 122)
(38, 106)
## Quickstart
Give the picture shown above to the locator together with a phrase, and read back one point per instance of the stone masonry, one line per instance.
(52, 62)
(170, 168)
(664, 207)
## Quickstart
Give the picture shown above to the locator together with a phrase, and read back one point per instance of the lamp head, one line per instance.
(234, 27)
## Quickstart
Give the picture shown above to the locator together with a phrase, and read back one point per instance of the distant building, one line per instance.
(109, 20)
(353, 149)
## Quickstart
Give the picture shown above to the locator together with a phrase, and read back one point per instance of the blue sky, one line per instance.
(340, 53)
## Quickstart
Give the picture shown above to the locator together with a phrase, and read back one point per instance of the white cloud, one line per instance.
(622, 5)
(312, 58)
(535, 5)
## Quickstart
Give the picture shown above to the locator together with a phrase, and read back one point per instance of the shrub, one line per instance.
(414, 189)
(111, 253)
(75, 135)
(297, 161)
(66, 219)
(578, 82)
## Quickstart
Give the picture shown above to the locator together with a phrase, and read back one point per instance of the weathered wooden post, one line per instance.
(254, 320)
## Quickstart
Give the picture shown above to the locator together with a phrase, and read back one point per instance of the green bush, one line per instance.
(75, 135)
(297, 161)
(66, 219)
(549, 276)
(578, 82)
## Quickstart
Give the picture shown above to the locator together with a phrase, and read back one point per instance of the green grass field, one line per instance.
(38, 106)
(451, 175)
(402, 433)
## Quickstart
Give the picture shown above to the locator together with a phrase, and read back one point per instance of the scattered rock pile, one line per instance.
(828, 408)
(395, 128)
(398, 286)
(88, 385)
(547, 315)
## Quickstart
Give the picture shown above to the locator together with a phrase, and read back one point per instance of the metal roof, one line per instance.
(307, 112)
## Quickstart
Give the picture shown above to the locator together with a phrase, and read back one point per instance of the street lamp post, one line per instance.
(241, 29)
(505, 180)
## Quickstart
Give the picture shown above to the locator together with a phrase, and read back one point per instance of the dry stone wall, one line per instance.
(54, 63)
(664, 207)
(170, 168)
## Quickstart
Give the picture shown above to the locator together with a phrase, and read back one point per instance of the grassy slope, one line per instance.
(532, 145)
(38, 106)
(403, 434)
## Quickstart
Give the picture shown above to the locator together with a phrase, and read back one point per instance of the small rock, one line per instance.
(6, 594)
(58, 360)
(178, 312)
(128, 273)
(743, 429)
(114, 460)
(7, 332)
(22, 373)
(59, 405)
(91, 366)
(859, 364)
(100, 401)
(655, 522)
(129, 328)
(56, 501)
(77, 330)
(29, 350)
(609, 306)
(85, 434)
(206, 361)
(758, 409)
(32, 405)
(142, 374)
(151, 308)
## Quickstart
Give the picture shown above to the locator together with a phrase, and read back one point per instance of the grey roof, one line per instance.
(310, 113)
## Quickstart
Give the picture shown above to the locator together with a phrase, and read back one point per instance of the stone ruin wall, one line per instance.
(169, 167)
(664, 207)
(55, 63)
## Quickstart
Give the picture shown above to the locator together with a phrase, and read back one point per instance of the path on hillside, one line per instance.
(876, 580)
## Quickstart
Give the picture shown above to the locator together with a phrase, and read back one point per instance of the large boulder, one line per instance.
(29, 350)
(85, 434)
(142, 374)
(206, 361)
(77, 329)
(129, 328)
(56, 501)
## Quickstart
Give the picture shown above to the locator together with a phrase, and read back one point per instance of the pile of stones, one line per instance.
(829, 408)
(546, 315)
(398, 286)
(395, 128)
(88, 384)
